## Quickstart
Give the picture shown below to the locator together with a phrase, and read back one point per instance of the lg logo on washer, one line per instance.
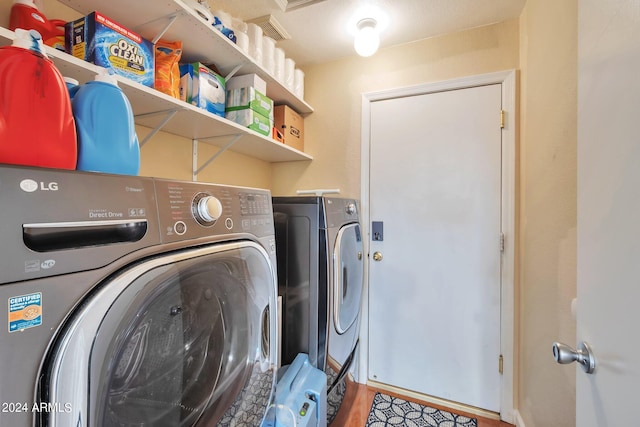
(48, 264)
(29, 186)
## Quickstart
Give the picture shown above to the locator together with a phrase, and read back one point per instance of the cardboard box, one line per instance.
(102, 41)
(248, 80)
(202, 87)
(249, 97)
(291, 124)
(251, 119)
(276, 135)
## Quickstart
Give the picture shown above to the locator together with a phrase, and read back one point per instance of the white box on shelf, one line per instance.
(248, 80)
(202, 87)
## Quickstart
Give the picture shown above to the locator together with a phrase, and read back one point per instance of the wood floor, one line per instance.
(359, 397)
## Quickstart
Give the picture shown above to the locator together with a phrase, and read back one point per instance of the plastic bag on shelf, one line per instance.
(167, 78)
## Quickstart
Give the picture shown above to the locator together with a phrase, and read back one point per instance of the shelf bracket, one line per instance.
(172, 19)
(195, 167)
(234, 71)
(160, 125)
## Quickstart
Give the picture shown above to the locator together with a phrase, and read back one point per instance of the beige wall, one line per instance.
(548, 60)
(169, 156)
(332, 132)
(542, 44)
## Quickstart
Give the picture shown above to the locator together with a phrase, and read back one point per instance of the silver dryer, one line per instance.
(321, 280)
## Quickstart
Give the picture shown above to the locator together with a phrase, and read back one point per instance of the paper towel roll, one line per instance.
(298, 83)
(268, 52)
(278, 64)
(239, 28)
(242, 40)
(238, 25)
(255, 42)
(289, 70)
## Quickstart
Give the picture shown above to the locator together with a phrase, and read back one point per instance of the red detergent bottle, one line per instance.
(36, 123)
(25, 15)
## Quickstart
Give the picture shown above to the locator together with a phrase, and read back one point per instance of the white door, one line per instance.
(434, 297)
(609, 211)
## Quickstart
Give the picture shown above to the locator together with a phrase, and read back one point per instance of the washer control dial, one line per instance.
(206, 209)
(351, 208)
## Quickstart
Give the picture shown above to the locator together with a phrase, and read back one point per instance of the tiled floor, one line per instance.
(358, 399)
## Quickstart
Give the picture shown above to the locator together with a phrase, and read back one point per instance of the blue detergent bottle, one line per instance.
(107, 139)
(72, 86)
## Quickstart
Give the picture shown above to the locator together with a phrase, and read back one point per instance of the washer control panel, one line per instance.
(57, 222)
(255, 204)
(189, 210)
(206, 209)
(350, 209)
(340, 211)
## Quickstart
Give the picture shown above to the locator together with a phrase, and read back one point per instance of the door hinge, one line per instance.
(502, 112)
(501, 242)
(500, 364)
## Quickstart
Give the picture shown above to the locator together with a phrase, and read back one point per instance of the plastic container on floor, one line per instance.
(301, 397)
(36, 122)
(107, 139)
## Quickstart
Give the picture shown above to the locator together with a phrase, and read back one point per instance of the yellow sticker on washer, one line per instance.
(25, 311)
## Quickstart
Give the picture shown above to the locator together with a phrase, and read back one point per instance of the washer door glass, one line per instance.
(348, 276)
(181, 340)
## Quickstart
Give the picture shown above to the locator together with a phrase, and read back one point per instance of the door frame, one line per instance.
(508, 80)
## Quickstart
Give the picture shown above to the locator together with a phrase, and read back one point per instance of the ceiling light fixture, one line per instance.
(367, 39)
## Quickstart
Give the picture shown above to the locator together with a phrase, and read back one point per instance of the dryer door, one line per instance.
(348, 277)
(186, 339)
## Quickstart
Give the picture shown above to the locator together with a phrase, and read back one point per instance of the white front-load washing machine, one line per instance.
(135, 301)
(321, 281)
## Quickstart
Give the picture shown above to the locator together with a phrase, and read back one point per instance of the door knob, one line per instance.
(564, 354)
(377, 256)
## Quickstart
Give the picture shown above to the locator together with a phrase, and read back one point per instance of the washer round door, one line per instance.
(185, 339)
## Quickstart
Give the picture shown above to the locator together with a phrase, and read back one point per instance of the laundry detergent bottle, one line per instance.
(25, 14)
(107, 139)
(72, 86)
(36, 122)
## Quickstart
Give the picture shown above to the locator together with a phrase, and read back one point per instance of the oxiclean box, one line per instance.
(102, 41)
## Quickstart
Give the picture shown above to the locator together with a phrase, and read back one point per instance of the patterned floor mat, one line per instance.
(393, 411)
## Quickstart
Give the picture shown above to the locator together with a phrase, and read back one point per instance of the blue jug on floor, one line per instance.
(301, 397)
(107, 139)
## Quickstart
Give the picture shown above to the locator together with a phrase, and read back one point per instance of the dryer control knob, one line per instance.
(351, 209)
(209, 209)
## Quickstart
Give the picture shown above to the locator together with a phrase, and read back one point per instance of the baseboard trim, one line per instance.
(518, 417)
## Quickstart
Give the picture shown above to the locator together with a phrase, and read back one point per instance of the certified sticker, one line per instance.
(25, 311)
